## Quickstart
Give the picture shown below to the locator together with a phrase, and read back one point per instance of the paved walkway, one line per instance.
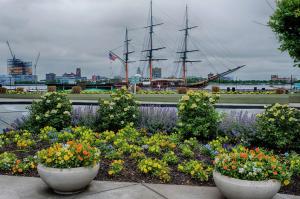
(34, 188)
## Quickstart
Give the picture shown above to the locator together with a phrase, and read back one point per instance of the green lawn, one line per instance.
(225, 98)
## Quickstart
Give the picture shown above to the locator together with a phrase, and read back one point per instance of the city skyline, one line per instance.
(72, 34)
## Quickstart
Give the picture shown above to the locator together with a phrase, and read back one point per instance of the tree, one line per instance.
(285, 22)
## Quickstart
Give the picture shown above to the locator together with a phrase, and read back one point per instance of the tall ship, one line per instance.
(151, 50)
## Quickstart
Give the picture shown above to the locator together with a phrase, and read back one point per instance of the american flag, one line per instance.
(112, 56)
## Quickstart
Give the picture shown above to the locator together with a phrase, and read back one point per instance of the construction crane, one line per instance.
(35, 64)
(10, 50)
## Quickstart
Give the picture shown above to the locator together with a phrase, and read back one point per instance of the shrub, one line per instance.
(278, 128)
(3, 90)
(182, 90)
(51, 88)
(117, 113)
(197, 115)
(52, 110)
(20, 89)
(255, 165)
(280, 91)
(215, 89)
(76, 90)
(74, 154)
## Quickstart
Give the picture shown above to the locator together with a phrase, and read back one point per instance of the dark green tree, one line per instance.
(285, 22)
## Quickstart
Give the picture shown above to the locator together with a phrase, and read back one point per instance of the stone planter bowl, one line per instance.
(233, 188)
(68, 181)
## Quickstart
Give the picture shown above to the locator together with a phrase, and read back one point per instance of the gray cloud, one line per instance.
(72, 33)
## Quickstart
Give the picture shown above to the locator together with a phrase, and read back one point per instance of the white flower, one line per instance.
(111, 107)
(46, 115)
(241, 170)
(58, 105)
(48, 101)
(67, 113)
(125, 109)
(133, 116)
(122, 122)
(54, 111)
(111, 116)
(37, 117)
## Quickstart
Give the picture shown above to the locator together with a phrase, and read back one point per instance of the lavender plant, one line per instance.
(238, 126)
(84, 116)
(157, 119)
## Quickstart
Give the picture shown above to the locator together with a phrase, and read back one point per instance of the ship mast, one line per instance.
(150, 58)
(126, 56)
(185, 50)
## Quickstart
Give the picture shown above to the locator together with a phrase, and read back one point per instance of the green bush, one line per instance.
(197, 116)
(182, 90)
(215, 89)
(118, 112)
(76, 90)
(278, 128)
(53, 110)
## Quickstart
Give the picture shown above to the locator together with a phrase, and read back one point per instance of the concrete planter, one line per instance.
(68, 181)
(233, 188)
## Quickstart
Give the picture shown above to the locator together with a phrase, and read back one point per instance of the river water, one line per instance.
(222, 86)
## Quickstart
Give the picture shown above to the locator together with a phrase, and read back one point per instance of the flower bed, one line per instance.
(126, 155)
(148, 154)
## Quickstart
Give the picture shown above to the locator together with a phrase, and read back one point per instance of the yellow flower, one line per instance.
(185, 98)
(110, 172)
(286, 182)
(66, 158)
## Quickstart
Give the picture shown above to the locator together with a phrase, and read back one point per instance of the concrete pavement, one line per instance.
(12, 187)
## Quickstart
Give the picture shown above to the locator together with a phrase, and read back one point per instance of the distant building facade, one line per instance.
(25, 78)
(65, 80)
(6, 80)
(156, 73)
(78, 72)
(282, 79)
(50, 77)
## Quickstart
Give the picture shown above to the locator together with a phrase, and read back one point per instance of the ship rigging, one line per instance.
(150, 52)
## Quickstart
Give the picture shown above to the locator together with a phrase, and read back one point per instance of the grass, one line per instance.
(224, 98)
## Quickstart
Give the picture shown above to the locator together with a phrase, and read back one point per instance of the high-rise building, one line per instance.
(139, 71)
(18, 67)
(78, 72)
(156, 73)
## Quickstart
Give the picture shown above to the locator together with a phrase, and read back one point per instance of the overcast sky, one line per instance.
(79, 33)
